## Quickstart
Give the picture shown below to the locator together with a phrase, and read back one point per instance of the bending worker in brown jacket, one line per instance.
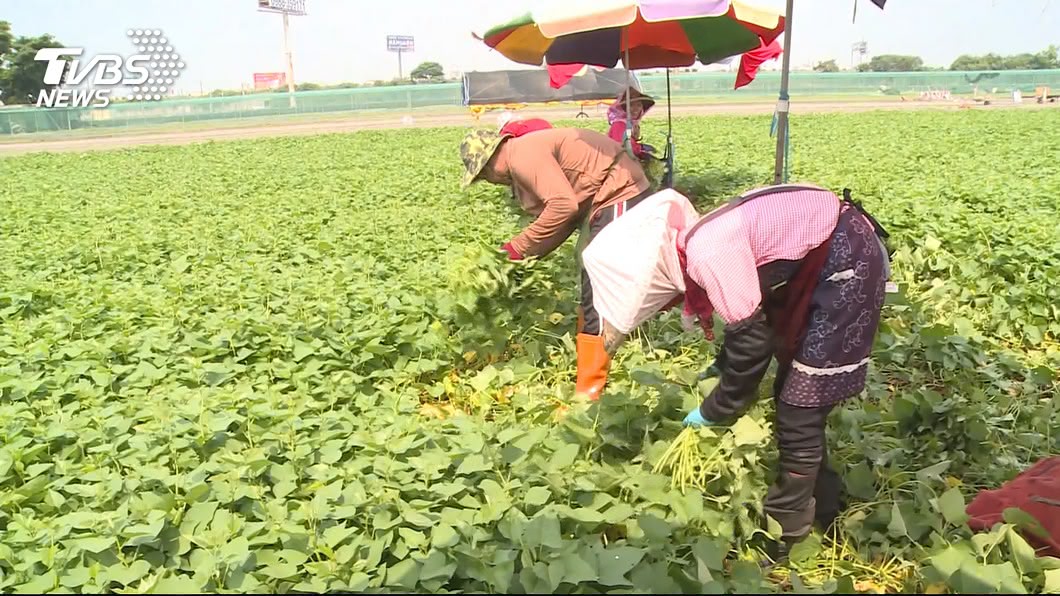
(568, 178)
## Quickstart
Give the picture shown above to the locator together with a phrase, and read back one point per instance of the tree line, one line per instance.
(21, 76)
(1048, 58)
(425, 73)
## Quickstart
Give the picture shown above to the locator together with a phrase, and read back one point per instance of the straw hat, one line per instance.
(635, 96)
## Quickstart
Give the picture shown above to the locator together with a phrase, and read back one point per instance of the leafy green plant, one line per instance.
(249, 378)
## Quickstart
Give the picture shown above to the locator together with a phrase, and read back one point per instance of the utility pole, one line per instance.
(859, 49)
(286, 8)
(290, 62)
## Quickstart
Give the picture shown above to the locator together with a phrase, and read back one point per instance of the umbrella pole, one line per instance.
(669, 135)
(669, 113)
(782, 102)
(629, 84)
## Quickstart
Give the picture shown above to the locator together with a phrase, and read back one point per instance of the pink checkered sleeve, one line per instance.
(786, 226)
(721, 261)
(725, 253)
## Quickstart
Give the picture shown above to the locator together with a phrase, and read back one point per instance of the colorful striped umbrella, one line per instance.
(640, 33)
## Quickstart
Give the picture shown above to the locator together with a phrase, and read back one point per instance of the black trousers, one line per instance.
(590, 318)
(806, 489)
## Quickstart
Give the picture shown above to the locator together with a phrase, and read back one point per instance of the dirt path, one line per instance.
(349, 123)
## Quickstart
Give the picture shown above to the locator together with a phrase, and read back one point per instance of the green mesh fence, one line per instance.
(910, 84)
(709, 86)
(185, 111)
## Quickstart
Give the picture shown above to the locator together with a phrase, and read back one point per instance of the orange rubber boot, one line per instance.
(593, 366)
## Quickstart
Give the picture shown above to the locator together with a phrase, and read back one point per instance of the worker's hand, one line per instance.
(512, 253)
(714, 370)
(694, 418)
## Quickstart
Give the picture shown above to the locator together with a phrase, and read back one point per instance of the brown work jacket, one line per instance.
(562, 176)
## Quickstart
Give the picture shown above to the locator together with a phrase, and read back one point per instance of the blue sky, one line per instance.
(224, 42)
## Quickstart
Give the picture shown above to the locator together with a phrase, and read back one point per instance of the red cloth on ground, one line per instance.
(518, 128)
(1035, 491)
(750, 62)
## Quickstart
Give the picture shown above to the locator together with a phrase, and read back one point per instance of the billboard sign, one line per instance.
(269, 80)
(291, 7)
(400, 43)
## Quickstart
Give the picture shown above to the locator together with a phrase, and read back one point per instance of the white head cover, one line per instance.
(633, 264)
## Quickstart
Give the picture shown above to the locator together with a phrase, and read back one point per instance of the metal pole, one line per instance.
(669, 113)
(629, 85)
(401, 75)
(669, 135)
(782, 102)
(290, 63)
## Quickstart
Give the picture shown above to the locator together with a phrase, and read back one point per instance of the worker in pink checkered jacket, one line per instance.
(796, 273)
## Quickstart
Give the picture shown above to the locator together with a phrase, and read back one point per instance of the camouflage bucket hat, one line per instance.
(476, 150)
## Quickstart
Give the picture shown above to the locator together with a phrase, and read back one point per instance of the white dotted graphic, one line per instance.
(165, 66)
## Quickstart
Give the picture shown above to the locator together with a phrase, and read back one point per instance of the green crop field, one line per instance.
(295, 365)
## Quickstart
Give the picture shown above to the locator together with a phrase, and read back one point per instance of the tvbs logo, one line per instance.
(148, 75)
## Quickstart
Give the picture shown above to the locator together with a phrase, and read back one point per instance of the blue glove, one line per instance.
(694, 418)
